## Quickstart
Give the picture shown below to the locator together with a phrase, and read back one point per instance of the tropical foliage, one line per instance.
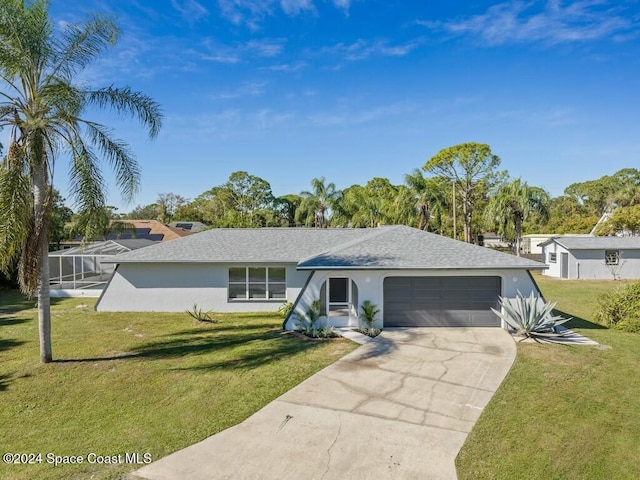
(471, 168)
(368, 315)
(513, 204)
(530, 316)
(620, 308)
(44, 109)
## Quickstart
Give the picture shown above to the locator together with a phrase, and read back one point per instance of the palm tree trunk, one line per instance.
(518, 235)
(44, 300)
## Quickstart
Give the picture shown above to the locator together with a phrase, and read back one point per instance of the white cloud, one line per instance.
(343, 115)
(190, 10)
(288, 67)
(239, 52)
(362, 49)
(246, 89)
(550, 22)
(343, 5)
(252, 12)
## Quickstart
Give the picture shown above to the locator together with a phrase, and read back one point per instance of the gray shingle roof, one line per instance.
(245, 245)
(596, 243)
(383, 247)
(401, 247)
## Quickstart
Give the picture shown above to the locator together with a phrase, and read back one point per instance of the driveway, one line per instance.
(399, 407)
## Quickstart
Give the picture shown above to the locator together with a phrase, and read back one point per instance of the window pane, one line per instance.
(257, 290)
(237, 291)
(257, 275)
(237, 275)
(278, 290)
(611, 257)
(276, 275)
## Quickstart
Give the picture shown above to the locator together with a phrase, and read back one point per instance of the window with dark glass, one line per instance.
(257, 283)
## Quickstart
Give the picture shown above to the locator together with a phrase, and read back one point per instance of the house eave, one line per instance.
(484, 267)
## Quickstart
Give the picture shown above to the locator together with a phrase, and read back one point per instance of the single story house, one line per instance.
(592, 257)
(415, 278)
(531, 243)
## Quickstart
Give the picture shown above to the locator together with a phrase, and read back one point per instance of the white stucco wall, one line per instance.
(371, 287)
(554, 267)
(533, 241)
(590, 264)
(175, 287)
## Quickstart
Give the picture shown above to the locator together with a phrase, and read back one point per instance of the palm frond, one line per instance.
(15, 206)
(79, 44)
(136, 104)
(88, 188)
(118, 154)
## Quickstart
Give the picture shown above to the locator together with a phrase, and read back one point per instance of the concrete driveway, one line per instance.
(399, 407)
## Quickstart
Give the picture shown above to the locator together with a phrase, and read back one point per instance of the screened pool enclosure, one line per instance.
(81, 268)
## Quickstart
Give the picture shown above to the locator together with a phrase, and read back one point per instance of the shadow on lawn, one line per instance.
(9, 321)
(578, 322)
(7, 343)
(259, 348)
(4, 382)
(12, 301)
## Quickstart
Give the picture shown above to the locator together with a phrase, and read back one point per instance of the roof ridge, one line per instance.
(375, 232)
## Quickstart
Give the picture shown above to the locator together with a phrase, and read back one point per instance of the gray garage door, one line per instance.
(441, 301)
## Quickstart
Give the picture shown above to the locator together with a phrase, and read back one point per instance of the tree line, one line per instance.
(460, 192)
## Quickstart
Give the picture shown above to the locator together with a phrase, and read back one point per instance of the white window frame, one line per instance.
(553, 257)
(247, 283)
(611, 257)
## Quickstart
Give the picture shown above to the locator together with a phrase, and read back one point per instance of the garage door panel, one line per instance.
(441, 301)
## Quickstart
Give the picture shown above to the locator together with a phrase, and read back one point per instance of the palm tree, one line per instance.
(44, 108)
(427, 196)
(513, 204)
(319, 201)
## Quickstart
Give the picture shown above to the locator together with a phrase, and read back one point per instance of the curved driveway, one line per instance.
(399, 407)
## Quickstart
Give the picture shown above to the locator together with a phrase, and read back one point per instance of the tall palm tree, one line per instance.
(513, 204)
(428, 197)
(320, 200)
(44, 110)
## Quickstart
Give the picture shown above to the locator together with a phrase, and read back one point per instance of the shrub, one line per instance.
(369, 312)
(307, 323)
(200, 315)
(370, 331)
(620, 308)
(285, 309)
(530, 316)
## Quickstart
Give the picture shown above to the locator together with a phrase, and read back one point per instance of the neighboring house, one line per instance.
(493, 240)
(592, 257)
(80, 271)
(136, 229)
(147, 229)
(193, 227)
(531, 243)
(416, 278)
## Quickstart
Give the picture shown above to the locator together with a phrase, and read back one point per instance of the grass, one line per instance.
(137, 382)
(563, 412)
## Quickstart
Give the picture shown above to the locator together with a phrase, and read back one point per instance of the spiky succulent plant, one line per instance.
(530, 316)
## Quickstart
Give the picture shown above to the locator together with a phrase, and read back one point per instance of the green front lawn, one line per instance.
(137, 382)
(563, 412)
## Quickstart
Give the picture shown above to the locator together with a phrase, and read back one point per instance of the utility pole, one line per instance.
(454, 210)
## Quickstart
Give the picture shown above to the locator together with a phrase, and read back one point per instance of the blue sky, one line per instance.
(353, 89)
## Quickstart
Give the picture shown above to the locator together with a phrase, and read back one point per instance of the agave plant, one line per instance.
(530, 316)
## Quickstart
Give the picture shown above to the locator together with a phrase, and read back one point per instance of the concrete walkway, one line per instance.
(399, 407)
